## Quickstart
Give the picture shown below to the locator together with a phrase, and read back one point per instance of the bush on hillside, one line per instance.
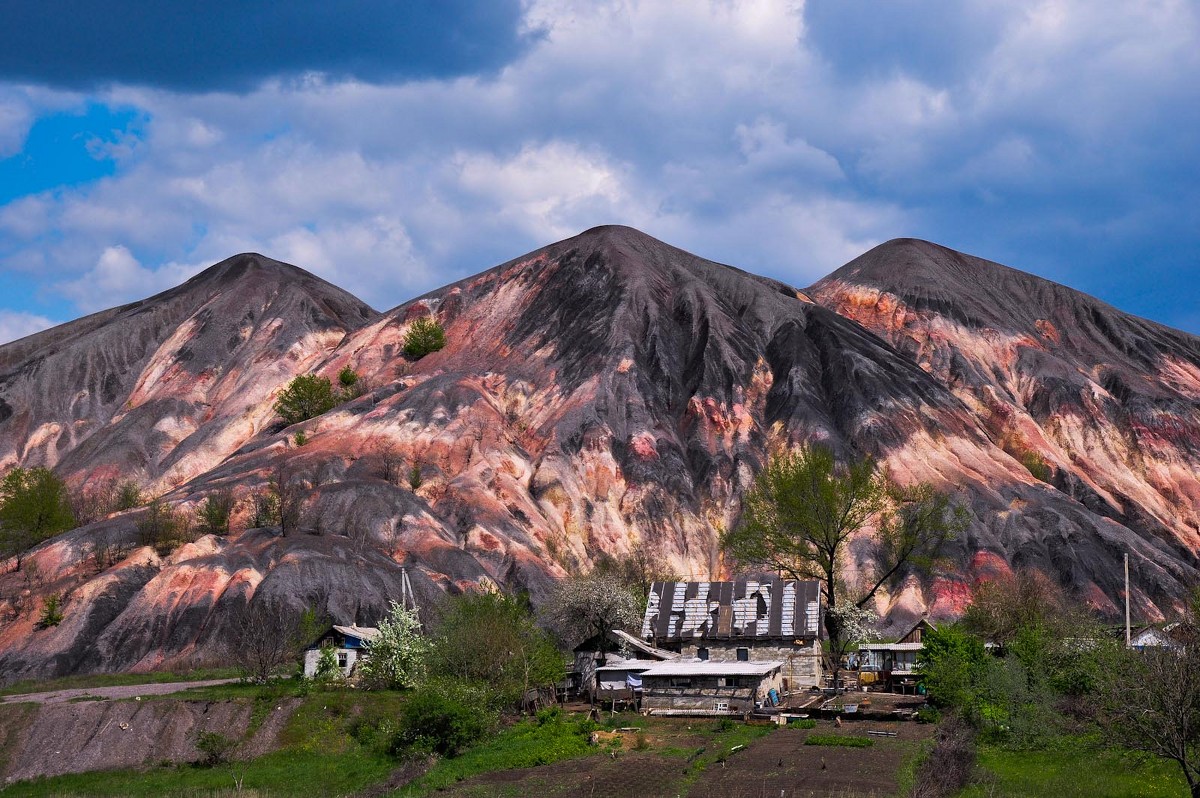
(425, 335)
(305, 397)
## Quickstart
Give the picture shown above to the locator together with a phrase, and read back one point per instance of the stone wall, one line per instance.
(705, 693)
(801, 661)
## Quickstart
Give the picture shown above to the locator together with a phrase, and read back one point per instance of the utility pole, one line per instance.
(407, 598)
(1128, 638)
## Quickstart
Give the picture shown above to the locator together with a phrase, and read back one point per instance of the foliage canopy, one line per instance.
(306, 396)
(34, 506)
(424, 336)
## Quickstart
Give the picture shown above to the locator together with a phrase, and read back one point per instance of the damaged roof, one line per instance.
(745, 609)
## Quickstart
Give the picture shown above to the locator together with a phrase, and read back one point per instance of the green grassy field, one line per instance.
(1069, 770)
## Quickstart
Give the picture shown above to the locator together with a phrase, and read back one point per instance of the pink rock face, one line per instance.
(602, 392)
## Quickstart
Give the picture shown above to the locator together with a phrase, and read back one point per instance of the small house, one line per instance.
(711, 688)
(743, 621)
(601, 652)
(894, 664)
(350, 643)
(1156, 637)
(621, 679)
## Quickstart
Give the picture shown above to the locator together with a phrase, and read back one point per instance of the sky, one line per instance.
(395, 147)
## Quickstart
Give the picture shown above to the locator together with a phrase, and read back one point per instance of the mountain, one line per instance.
(601, 392)
(160, 390)
(1105, 404)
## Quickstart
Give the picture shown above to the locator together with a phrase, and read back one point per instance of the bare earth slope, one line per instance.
(602, 391)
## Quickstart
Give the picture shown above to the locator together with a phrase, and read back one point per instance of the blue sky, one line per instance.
(394, 147)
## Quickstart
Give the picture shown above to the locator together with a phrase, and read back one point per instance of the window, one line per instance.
(681, 681)
(702, 654)
(342, 660)
(743, 655)
(729, 681)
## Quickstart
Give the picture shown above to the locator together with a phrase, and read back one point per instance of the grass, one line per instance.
(522, 745)
(839, 740)
(1074, 768)
(115, 680)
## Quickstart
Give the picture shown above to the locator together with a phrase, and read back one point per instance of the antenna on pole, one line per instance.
(407, 599)
(1128, 638)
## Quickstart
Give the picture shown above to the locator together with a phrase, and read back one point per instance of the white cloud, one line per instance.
(721, 127)
(16, 324)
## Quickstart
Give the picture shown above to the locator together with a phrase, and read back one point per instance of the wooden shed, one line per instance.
(710, 688)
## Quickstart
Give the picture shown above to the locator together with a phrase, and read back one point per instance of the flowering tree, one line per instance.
(396, 657)
(585, 607)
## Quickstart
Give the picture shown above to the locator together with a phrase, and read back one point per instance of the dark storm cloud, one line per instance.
(201, 45)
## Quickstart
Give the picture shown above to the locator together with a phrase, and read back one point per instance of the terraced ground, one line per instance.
(694, 759)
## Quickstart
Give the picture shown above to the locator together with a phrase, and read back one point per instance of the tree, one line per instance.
(490, 640)
(590, 606)
(163, 528)
(1150, 700)
(804, 509)
(265, 636)
(636, 571)
(397, 655)
(285, 490)
(424, 335)
(305, 397)
(214, 512)
(34, 506)
(51, 611)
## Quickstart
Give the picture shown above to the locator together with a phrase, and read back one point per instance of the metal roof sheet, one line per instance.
(745, 609)
(709, 668)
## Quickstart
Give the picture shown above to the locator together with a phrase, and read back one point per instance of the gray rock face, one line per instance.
(597, 393)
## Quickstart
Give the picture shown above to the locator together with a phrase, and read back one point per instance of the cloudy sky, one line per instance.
(394, 147)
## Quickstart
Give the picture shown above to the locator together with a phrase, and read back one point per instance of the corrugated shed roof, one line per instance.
(742, 609)
(710, 668)
(641, 645)
(890, 646)
(627, 665)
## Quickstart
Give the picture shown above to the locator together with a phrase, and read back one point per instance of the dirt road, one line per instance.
(108, 693)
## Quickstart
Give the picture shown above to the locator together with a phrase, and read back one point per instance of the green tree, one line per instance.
(349, 384)
(804, 509)
(305, 397)
(51, 611)
(34, 506)
(490, 640)
(396, 657)
(952, 663)
(424, 335)
(214, 512)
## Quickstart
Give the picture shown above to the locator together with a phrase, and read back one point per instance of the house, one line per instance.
(894, 664)
(747, 621)
(349, 642)
(698, 687)
(593, 655)
(1156, 637)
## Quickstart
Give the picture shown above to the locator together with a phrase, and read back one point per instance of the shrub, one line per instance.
(328, 672)
(1036, 465)
(51, 611)
(163, 528)
(415, 480)
(305, 397)
(129, 495)
(350, 387)
(436, 719)
(950, 764)
(398, 652)
(213, 513)
(216, 747)
(425, 335)
(300, 438)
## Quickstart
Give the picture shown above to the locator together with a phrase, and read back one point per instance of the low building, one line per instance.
(620, 680)
(597, 653)
(1156, 637)
(894, 665)
(350, 643)
(710, 688)
(747, 620)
